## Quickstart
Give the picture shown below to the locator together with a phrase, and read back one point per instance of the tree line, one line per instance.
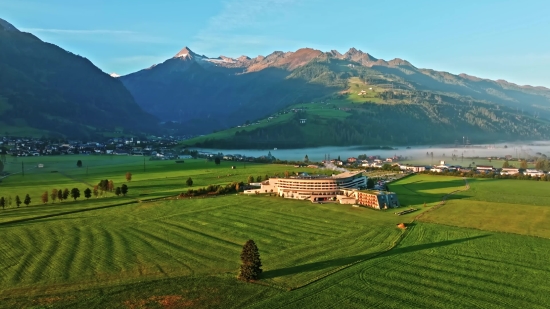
(63, 194)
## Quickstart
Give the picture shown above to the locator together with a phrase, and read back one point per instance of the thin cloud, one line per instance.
(79, 32)
(239, 15)
(99, 35)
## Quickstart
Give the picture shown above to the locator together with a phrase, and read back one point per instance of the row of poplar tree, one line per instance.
(61, 195)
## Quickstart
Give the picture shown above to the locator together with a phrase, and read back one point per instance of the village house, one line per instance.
(509, 171)
(533, 173)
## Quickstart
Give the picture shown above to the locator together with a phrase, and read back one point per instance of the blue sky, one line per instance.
(487, 38)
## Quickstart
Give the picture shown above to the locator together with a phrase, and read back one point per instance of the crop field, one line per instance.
(127, 252)
(514, 206)
(438, 267)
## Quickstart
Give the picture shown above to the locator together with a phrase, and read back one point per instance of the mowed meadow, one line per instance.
(151, 250)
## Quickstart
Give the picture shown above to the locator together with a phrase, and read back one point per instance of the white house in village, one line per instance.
(534, 173)
(509, 171)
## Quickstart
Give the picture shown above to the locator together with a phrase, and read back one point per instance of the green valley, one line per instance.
(152, 249)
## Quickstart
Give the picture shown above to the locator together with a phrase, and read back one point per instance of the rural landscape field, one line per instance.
(274, 154)
(151, 249)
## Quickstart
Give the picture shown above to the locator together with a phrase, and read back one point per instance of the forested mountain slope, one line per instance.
(45, 87)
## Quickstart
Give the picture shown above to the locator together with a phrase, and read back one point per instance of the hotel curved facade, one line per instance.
(314, 188)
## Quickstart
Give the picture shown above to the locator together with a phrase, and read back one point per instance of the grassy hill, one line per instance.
(374, 114)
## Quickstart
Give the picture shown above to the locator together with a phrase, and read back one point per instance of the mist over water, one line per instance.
(413, 153)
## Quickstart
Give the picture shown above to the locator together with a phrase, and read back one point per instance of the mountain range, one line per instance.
(208, 94)
(47, 90)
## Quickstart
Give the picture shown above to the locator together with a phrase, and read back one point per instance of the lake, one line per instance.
(523, 150)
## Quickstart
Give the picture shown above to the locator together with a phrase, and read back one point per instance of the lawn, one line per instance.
(156, 179)
(426, 190)
(438, 267)
(299, 242)
(514, 206)
(185, 252)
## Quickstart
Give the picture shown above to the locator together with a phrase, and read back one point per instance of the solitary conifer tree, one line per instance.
(250, 262)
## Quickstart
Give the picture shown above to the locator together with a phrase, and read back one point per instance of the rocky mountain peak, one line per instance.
(186, 53)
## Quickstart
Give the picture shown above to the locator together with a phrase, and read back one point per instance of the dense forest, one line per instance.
(434, 119)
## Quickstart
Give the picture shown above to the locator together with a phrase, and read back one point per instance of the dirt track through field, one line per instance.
(444, 199)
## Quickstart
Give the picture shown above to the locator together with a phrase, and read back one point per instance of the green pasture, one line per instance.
(438, 266)
(514, 206)
(156, 179)
(231, 131)
(127, 252)
(299, 242)
(419, 190)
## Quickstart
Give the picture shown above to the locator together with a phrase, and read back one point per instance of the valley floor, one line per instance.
(474, 251)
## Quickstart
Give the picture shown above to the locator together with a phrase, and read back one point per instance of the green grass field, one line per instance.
(521, 207)
(116, 252)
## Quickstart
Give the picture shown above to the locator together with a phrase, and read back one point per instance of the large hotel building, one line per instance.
(345, 187)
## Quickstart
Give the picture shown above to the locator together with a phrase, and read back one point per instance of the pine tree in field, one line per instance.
(17, 201)
(189, 181)
(251, 266)
(44, 197)
(60, 195)
(54, 195)
(66, 193)
(2, 202)
(118, 191)
(27, 200)
(87, 193)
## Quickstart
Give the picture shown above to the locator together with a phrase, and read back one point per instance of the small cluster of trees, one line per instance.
(8, 201)
(64, 194)
(251, 178)
(214, 190)
(109, 186)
